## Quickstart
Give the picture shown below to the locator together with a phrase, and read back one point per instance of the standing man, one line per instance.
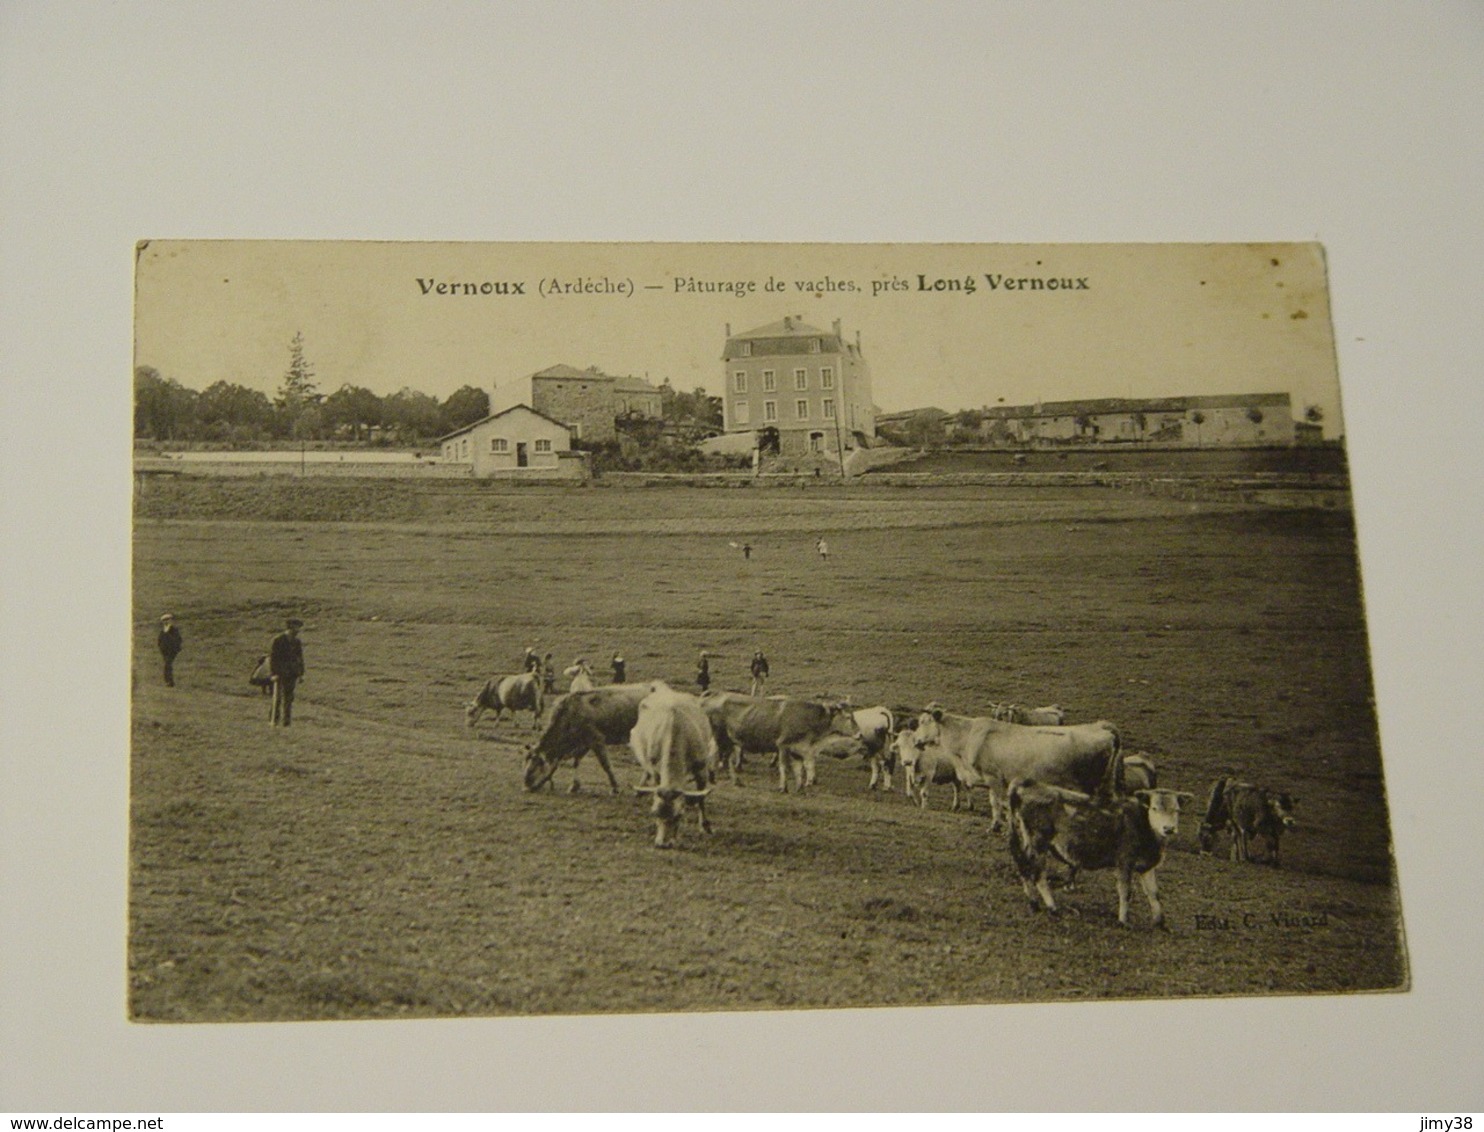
(747, 550)
(548, 676)
(619, 669)
(170, 645)
(822, 549)
(759, 673)
(286, 666)
(703, 672)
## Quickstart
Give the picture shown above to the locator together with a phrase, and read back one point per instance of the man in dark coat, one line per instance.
(703, 672)
(759, 672)
(170, 645)
(620, 671)
(286, 664)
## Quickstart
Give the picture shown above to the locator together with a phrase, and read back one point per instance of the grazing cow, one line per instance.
(1053, 715)
(1109, 831)
(508, 693)
(1247, 811)
(795, 729)
(583, 722)
(878, 727)
(991, 753)
(674, 743)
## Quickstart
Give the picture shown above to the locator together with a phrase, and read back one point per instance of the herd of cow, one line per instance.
(1066, 792)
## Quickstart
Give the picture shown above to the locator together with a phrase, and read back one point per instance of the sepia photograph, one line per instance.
(566, 628)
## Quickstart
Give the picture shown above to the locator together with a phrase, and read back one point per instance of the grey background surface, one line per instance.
(1354, 125)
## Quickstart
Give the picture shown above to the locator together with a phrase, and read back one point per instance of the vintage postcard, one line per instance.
(579, 628)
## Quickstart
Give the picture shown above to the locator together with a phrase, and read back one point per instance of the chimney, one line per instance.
(788, 322)
(837, 328)
(729, 330)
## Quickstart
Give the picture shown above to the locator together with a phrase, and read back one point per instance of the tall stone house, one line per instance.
(812, 385)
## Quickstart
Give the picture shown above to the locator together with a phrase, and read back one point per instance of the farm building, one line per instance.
(1190, 422)
(517, 442)
(586, 400)
(811, 385)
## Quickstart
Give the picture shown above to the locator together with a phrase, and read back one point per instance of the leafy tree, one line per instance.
(163, 408)
(354, 407)
(231, 412)
(463, 407)
(414, 415)
(1313, 414)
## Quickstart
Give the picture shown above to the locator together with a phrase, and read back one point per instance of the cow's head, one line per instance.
(538, 769)
(472, 711)
(667, 809)
(929, 729)
(1280, 806)
(904, 748)
(1163, 810)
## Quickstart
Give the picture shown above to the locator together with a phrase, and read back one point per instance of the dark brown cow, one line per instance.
(1247, 811)
(673, 742)
(1108, 831)
(793, 728)
(583, 722)
(521, 692)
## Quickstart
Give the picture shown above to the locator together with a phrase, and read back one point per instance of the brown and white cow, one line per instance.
(521, 692)
(1247, 811)
(583, 722)
(793, 728)
(673, 742)
(993, 754)
(1127, 834)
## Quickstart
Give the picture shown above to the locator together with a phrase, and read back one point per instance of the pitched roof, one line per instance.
(784, 328)
(571, 372)
(496, 416)
(633, 385)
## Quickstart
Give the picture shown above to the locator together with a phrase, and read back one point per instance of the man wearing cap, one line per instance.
(703, 671)
(620, 670)
(286, 666)
(170, 645)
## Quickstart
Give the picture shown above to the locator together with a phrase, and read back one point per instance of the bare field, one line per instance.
(379, 860)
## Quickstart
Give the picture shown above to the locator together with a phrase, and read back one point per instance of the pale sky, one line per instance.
(1139, 320)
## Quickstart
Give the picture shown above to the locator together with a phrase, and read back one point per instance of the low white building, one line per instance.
(515, 443)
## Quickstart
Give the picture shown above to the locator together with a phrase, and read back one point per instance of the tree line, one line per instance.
(231, 414)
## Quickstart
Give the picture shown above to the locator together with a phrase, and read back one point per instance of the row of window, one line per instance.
(741, 411)
(460, 451)
(744, 349)
(770, 379)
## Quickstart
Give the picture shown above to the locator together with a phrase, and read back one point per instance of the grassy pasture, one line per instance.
(379, 860)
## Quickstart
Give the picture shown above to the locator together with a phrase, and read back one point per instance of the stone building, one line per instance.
(1218, 420)
(585, 400)
(813, 386)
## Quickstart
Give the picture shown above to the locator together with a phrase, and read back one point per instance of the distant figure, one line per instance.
(747, 550)
(703, 672)
(548, 676)
(286, 665)
(580, 675)
(170, 645)
(530, 662)
(759, 673)
(822, 549)
(619, 674)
